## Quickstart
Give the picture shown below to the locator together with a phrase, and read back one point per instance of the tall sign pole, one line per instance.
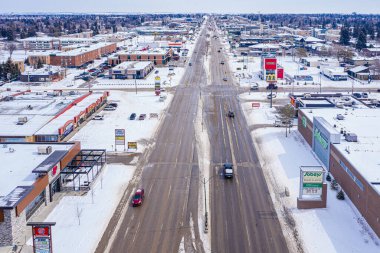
(42, 236)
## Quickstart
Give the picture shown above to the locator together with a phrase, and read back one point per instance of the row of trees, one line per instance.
(360, 33)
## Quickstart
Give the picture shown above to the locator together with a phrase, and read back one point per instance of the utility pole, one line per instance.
(320, 82)
(206, 220)
(136, 83)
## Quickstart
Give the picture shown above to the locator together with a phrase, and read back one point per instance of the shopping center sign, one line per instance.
(312, 179)
(318, 136)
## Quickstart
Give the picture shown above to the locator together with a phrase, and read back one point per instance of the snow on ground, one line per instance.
(251, 73)
(168, 77)
(337, 228)
(96, 208)
(135, 130)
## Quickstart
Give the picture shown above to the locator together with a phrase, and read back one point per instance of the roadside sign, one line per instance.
(119, 137)
(41, 236)
(312, 179)
(255, 104)
(132, 145)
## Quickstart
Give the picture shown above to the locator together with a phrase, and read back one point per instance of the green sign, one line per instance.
(320, 139)
(304, 121)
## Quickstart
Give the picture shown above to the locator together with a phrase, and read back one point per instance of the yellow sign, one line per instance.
(157, 78)
(132, 145)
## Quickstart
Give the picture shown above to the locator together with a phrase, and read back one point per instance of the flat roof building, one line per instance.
(131, 70)
(159, 56)
(29, 178)
(347, 143)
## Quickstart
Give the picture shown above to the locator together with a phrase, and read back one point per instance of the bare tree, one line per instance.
(301, 52)
(11, 47)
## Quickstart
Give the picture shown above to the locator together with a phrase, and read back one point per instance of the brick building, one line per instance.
(346, 143)
(80, 56)
(158, 56)
(30, 184)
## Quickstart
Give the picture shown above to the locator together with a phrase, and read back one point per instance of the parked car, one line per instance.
(138, 197)
(109, 108)
(142, 116)
(357, 95)
(365, 95)
(114, 104)
(228, 170)
(92, 70)
(225, 79)
(98, 117)
(133, 116)
(269, 96)
(222, 62)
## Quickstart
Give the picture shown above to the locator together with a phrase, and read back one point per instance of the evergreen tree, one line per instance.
(344, 37)
(362, 41)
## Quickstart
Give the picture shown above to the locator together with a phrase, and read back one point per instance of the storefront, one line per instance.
(323, 135)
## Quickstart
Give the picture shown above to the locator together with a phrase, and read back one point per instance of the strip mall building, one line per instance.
(346, 141)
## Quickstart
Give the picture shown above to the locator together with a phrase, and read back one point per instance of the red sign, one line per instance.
(54, 170)
(41, 231)
(270, 63)
(280, 73)
(255, 104)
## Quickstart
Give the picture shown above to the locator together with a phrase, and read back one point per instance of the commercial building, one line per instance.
(158, 56)
(131, 70)
(47, 74)
(29, 178)
(46, 117)
(49, 43)
(346, 142)
(80, 56)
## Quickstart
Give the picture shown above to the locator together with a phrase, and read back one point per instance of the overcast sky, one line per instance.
(220, 6)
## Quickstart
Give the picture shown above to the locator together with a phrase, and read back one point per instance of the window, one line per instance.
(352, 176)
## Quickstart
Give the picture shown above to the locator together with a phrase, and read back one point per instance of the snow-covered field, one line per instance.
(337, 228)
(135, 130)
(95, 208)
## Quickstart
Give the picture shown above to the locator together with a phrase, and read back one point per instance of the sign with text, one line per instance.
(41, 236)
(312, 179)
(132, 145)
(119, 136)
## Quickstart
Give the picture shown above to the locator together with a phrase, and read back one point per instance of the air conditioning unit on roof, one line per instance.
(44, 150)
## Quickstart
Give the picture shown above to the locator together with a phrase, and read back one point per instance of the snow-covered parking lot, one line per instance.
(139, 131)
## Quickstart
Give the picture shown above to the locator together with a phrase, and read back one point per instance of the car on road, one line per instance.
(272, 86)
(98, 117)
(138, 197)
(365, 95)
(269, 96)
(225, 79)
(133, 116)
(190, 64)
(222, 62)
(142, 116)
(228, 170)
(219, 51)
(231, 114)
(254, 86)
(357, 95)
(109, 108)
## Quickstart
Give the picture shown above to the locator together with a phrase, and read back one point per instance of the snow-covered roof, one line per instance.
(313, 39)
(43, 71)
(132, 65)
(17, 163)
(364, 122)
(265, 46)
(83, 50)
(358, 69)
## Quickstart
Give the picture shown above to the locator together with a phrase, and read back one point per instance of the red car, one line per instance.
(138, 197)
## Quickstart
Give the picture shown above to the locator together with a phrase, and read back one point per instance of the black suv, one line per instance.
(133, 116)
(231, 114)
(228, 170)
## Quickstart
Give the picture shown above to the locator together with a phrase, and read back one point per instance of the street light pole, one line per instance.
(206, 222)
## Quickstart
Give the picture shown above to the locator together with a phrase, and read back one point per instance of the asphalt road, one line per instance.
(170, 176)
(243, 218)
